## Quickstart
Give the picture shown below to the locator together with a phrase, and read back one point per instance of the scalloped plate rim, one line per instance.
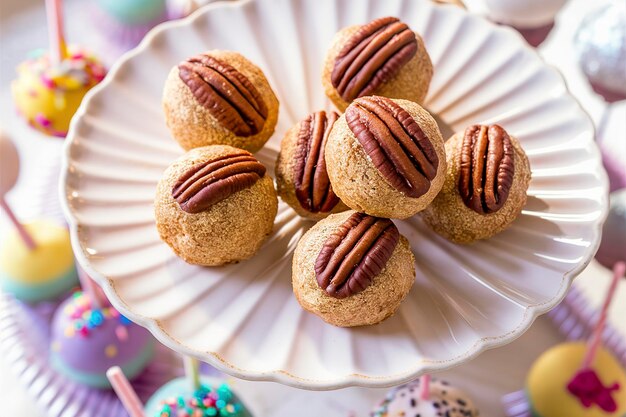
(280, 376)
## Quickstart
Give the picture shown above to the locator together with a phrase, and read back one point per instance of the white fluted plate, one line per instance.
(243, 318)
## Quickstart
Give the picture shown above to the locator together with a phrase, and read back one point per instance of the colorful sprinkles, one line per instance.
(39, 78)
(84, 319)
(205, 402)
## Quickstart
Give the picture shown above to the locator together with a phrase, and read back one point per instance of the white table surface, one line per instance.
(487, 378)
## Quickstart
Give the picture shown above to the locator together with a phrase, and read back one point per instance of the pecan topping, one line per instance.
(313, 188)
(226, 93)
(372, 56)
(210, 182)
(395, 143)
(355, 254)
(486, 168)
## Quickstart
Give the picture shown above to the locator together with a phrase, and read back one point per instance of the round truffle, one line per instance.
(383, 57)
(86, 341)
(443, 400)
(43, 273)
(485, 189)
(301, 174)
(352, 269)
(215, 205)
(385, 157)
(219, 98)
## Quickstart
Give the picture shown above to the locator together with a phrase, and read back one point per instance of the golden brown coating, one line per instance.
(287, 169)
(229, 230)
(361, 185)
(410, 82)
(450, 217)
(193, 118)
(372, 305)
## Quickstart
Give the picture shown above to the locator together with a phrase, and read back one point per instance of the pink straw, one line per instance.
(425, 387)
(54, 11)
(125, 392)
(89, 287)
(596, 337)
(26, 237)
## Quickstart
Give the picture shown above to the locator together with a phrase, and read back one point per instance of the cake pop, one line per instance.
(189, 396)
(534, 19)
(426, 397)
(50, 86)
(613, 244)
(87, 339)
(36, 259)
(125, 22)
(577, 378)
(601, 46)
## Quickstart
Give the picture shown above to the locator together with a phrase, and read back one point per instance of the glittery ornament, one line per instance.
(601, 46)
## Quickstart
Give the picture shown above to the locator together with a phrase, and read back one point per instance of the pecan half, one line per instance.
(313, 188)
(355, 254)
(372, 56)
(486, 168)
(210, 182)
(395, 143)
(226, 93)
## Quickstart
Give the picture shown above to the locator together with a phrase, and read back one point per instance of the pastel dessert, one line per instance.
(383, 57)
(301, 174)
(352, 269)
(219, 98)
(485, 188)
(47, 95)
(135, 12)
(9, 163)
(556, 387)
(613, 244)
(43, 273)
(86, 341)
(125, 22)
(215, 205)
(444, 400)
(178, 399)
(385, 157)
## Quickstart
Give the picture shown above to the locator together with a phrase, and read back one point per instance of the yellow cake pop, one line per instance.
(36, 259)
(42, 273)
(547, 383)
(48, 94)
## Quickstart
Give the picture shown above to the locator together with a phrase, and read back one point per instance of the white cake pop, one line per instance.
(443, 400)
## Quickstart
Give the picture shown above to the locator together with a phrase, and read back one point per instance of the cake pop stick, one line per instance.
(125, 392)
(26, 237)
(10, 167)
(596, 337)
(54, 11)
(90, 288)
(425, 387)
(192, 371)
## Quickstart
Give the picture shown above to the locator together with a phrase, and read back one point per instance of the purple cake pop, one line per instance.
(86, 341)
(613, 245)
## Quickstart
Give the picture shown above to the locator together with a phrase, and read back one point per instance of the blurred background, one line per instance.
(489, 377)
